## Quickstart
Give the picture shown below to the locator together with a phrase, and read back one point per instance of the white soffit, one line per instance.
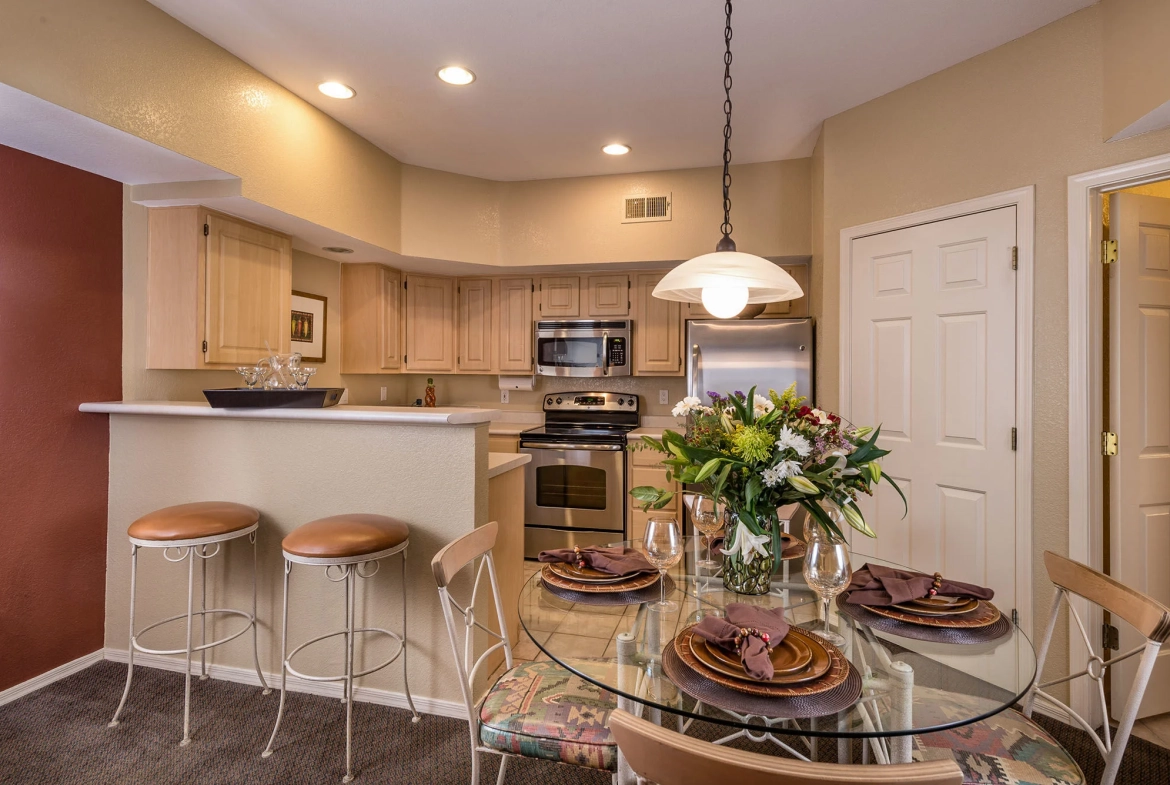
(557, 80)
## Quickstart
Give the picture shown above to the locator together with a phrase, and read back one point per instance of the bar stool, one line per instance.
(345, 543)
(189, 529)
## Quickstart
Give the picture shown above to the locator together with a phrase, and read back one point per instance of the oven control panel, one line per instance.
(591, 402)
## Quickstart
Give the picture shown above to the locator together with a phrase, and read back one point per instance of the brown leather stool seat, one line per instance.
(193, 521)
(346, 536)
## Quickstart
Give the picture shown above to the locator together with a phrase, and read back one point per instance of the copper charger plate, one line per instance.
(923, 608)
(984, 615)
(796, 660)
(635, 582)
(587, 574)
(794, 548)
(838, 670)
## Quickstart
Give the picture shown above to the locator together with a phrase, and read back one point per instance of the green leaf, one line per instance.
(654, 443)
(752, 491)
(905, 504)
(651, 496)
(708, 469)
(818, 513)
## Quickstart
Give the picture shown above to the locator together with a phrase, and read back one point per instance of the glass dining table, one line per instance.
(908, 686)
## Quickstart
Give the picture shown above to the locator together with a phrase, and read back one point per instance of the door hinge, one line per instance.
(206, 230)
(405, 359)
(1110, 638)
(534, 288)
(1013, 439)
(1015, 617)
(1108, 443)
(1108, 251)
(404, 284)
(205, 347)
(1015, 257)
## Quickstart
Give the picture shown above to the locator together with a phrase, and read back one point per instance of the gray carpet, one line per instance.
(59, 735)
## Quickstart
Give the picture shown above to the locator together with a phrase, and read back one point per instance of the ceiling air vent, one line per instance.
(640, 209)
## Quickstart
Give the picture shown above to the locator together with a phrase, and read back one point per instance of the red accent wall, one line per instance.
(60, 345)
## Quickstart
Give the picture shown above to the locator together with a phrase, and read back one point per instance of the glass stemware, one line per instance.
(251, 375)
(663, 544)
(301, 376)
(705, 515)
(827, 572)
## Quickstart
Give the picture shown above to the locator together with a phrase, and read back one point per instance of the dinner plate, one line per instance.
(796, 660)
(923, 609)
(587, 574)
(939, 601)
(633, 582)
(984, 615)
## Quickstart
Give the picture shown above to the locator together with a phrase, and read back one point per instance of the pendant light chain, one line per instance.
(726, 227)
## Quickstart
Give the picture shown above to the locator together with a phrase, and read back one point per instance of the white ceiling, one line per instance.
(558, 79)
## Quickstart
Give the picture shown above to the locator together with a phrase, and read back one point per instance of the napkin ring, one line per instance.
(746, 632)
(580, 559)
(936, 585)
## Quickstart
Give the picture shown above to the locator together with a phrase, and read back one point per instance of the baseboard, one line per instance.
(1042, 706)
(440, 708)
(47, 678)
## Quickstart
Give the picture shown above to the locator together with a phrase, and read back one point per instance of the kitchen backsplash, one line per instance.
(466, 390)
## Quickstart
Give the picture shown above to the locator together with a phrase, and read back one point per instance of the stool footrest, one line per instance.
(227, 611)
(367, 672)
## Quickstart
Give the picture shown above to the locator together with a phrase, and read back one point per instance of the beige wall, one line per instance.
(467, 390)
(1027, 113)
(578, 220)
(1137, 61)
(127, 64)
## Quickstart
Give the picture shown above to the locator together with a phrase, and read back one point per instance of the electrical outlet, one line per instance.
(345, 396)
(664, 396)
(503, 396)
(382, 394)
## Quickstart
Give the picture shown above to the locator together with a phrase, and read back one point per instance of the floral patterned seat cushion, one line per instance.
(1004, 749)
(541, 710)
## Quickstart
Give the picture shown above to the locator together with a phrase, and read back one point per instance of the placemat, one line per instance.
(796, 707)
(918, 632)
(636, 597)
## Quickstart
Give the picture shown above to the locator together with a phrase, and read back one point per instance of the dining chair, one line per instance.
(1010, 743)
(536, 709)
(660, 755)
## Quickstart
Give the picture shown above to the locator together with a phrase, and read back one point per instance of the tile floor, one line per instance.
(1154, 729)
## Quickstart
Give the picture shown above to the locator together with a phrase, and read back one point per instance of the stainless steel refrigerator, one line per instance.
(725, 355)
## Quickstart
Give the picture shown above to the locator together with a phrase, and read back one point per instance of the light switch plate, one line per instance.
(382, 394)
(664, 396)
(345, 396)
(503, 396)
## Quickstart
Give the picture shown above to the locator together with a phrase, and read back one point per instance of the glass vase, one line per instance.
(754, 577)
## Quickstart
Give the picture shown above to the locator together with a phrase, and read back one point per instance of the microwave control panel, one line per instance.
(617, 351)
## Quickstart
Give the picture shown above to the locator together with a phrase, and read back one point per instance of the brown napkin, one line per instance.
(615, 561)
(874, 584)
(742, 632)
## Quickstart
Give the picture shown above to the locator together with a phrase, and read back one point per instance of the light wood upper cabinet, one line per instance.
(476, 331)
(217, 279)
(514, 298)
(430, 324)
(371, 319)
(657, 329)
(788, 309)
(607, 295)
(560, 297)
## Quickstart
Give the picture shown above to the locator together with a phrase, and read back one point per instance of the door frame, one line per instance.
(1085, 357)
(1023, 199)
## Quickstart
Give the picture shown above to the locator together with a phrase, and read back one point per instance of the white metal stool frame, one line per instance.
(188, 550)
(349, 568)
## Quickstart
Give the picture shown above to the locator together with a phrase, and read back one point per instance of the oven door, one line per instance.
(576, 486)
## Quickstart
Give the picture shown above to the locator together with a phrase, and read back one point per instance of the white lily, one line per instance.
(748, 544)
(841, 464)
(686, 406)
(822, 416)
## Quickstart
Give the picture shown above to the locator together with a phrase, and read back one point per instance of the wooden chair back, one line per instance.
(456, 555)
(663, 756)
(1148, 616)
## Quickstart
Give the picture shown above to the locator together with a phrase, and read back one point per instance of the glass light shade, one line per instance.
(724, 302)
(765, 281)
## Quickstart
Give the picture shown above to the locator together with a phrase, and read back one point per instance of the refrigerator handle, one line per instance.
(697, 370)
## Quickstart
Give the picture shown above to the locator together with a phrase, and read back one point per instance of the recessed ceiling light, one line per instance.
(337, 249)
(336, 90)
(616, 149)
(457, 75)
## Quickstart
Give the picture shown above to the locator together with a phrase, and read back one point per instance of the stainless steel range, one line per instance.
(576, 481)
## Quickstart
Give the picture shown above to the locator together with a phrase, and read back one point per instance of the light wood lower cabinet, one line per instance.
(430, 324)
(657, 328)
(219, 290)
(503, 444)
(371, 319)
(475, 352)
(645, 468)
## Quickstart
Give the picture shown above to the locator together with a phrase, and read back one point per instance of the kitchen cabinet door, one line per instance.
(607, 295)
(515, 324)
(476, 328)
(560, 297)
(430, 324)
(657, 326)
(371, 319)
(390, 312)
(249, 291)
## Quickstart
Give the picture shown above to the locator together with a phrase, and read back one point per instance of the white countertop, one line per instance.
(500, 462)
(392, 415)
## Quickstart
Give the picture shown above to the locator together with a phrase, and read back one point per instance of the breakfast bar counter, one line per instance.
(429, 468)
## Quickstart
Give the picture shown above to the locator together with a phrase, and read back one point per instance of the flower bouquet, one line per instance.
(754, 454)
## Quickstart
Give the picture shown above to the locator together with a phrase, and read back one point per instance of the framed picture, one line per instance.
(308, 326)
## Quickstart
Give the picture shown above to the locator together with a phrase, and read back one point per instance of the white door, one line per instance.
(932, 360)
(1139, 413)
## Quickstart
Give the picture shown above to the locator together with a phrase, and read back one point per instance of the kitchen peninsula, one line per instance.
(429, 468)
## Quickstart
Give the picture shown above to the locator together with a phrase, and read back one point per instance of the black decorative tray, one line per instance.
(245, 398)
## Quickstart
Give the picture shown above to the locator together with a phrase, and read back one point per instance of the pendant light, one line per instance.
(725, 281)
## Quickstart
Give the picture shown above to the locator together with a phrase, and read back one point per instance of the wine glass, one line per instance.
(827, 572)
(705, 514)
(663, 544)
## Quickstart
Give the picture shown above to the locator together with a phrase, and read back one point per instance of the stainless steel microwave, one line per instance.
(583, 348)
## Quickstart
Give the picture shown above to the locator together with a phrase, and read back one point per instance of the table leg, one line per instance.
(902, 716)
(627, 647)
